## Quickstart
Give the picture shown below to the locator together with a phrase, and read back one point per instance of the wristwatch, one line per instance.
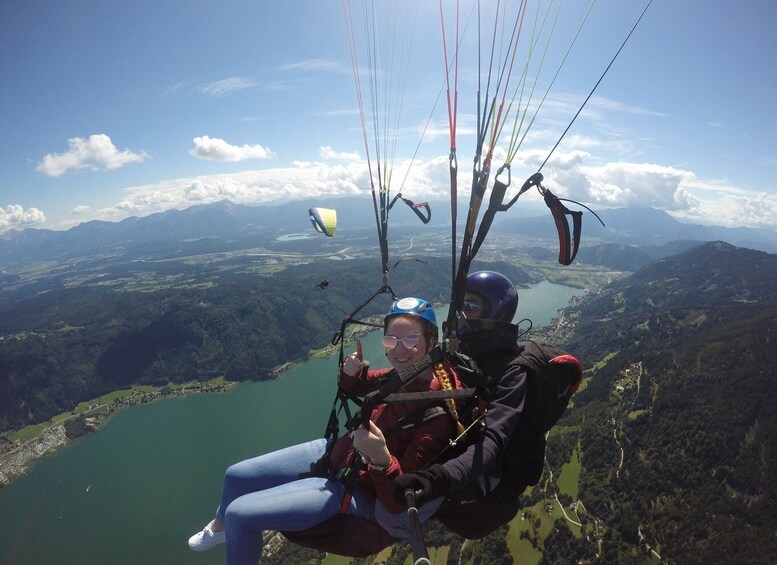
(380, 468)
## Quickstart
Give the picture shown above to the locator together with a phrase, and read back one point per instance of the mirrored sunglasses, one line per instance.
(471, 306)
(410, 341)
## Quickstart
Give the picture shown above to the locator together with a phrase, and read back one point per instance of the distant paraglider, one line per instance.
(323, 283)
(324, 220)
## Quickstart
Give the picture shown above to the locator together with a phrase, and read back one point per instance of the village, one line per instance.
(19, 454)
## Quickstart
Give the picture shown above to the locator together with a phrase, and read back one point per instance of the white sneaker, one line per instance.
(206, 539)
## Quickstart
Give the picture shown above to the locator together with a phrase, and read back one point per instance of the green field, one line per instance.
(569, 478)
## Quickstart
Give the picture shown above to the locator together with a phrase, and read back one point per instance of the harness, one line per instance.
(435, 404)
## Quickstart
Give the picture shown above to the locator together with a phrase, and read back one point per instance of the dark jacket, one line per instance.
(506, 389)
(510, 447)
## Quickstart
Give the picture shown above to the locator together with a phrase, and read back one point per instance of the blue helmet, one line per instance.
(413, 307)
(498, 293)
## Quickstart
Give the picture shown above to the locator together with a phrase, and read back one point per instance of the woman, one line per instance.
(267, 493)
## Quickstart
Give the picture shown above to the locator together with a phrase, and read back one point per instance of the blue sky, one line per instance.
(111, 109)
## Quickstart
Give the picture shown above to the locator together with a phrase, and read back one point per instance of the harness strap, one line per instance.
(416, 418)
(424, 217)
(350, 474)
(568, 244)
(431, 395)
(395, 382)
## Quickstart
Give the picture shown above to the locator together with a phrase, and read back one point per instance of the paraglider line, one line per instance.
(597, 84)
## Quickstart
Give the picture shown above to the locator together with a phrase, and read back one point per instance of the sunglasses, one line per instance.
(471, 306)
(410, 341)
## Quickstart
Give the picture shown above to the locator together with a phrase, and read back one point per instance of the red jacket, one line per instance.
(410, 450)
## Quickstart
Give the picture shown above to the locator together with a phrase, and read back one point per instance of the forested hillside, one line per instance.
(682, 388)
(63, 346)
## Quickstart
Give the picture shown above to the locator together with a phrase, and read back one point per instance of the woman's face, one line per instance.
(407, 328)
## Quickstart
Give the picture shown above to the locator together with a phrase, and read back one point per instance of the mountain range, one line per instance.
(644, 228)
(231, 226)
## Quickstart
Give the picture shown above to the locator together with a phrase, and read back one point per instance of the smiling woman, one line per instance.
(324, 484)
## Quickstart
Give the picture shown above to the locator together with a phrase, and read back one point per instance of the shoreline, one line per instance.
(17, 460)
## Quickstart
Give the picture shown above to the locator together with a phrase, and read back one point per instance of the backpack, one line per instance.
(553, 376)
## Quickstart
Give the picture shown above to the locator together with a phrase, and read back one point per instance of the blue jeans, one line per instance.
(266, 493)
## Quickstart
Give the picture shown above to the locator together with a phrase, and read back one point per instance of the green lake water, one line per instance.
(133, 492)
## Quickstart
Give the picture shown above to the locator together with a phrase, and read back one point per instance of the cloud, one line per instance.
(95, 153)
(222, 87)
(215, 149)
(568, 174)
(326, 152)
(317, 65)
(639, 184)
(81, 210)
(304, 182)
(609, 105)
(727, 204)
(180, 86)
(14, 216)
(758, 210)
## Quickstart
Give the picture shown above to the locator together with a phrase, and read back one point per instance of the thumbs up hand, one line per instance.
(353, 364)
(372, 444)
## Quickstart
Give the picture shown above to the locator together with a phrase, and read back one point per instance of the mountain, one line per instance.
(226, 226)
(231, 225)
(641, 227)
(677, 423)
(615, 256)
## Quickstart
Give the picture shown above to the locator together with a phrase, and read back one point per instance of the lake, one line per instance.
(134, 492)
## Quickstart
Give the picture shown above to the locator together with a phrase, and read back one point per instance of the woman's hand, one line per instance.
(353, 364)
(372, 445)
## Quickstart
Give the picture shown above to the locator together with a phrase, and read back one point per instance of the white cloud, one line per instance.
(758, 210)
(177, 87)
(317, 65)
(305, 181)
(567, 174)
(81, 210)
(727, 204)
(326, 152)
(95, 153)
(639, 184)
(222, 87)
(215, 149)
(609, 105)
(14, 216)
